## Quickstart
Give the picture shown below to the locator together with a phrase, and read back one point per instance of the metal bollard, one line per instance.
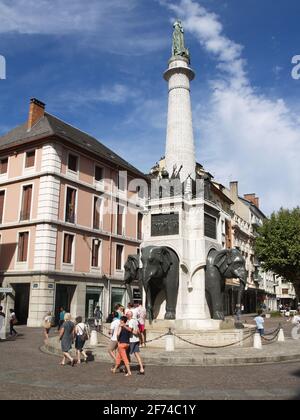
(281, 338)
(94, 338)
(170, 341)
(257, 341)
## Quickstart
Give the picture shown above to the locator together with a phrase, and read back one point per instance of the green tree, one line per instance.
(278, 245)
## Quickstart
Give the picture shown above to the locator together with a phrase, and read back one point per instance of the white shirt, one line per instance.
(141, 315)
(135, 326)
(259, 322)
(296, 319)
(80, 328)
(114, 329)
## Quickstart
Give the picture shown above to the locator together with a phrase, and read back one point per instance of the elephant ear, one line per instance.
(165, 259)
(133, 263)
(222, 261)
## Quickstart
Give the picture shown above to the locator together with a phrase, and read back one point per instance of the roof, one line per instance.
(52, 126)
(253, 207)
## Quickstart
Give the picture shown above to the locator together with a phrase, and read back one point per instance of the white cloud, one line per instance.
(245, 136)
(96, 23)
(115, 94)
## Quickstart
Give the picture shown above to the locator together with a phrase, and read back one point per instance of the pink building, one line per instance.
(67, 221)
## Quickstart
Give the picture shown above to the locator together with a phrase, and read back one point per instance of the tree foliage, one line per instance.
(278, 245)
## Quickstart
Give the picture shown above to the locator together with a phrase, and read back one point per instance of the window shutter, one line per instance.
(30, 159)
(3, 166)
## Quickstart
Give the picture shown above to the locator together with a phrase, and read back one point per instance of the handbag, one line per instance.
(47, 325)
(84, 335)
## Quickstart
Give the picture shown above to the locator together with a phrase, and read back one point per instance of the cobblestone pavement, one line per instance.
(27, 373)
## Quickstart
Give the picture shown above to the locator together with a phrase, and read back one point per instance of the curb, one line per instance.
(178, 359)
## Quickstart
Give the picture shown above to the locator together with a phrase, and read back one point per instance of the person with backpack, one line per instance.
(47, 325)
(132, 323)
(81, 336)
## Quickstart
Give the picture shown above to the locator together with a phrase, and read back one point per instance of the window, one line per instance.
(140, 227)
(26, 203)
(210, 226)
(97, 212)
(119, 257)
(70, 205)
(68, 248)
(99, 173)
(30, 159)
(3, 166)
(121, 182)
(2, 197)
(23, 246)
(73, 163)
(96, 244)
(120, 218)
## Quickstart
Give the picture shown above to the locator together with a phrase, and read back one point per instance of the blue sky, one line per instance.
(98, 65)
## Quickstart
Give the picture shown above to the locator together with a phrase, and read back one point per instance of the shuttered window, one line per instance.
(23, 246)
(68, 248)
(26, 203)
(210, 226)
(30, 159)
(3, 166)
(2, 197)
(119, 255)
(95, 252)
(70, 205)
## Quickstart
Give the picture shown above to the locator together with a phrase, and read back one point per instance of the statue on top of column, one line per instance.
(178, 41)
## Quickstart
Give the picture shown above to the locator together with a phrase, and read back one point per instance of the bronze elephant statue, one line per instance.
(222, 265)
(132, 273)
(160, 271)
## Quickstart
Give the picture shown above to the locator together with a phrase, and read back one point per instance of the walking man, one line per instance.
(12, 322)
(135, 341)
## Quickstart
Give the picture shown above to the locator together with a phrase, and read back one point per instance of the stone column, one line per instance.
(180, 149)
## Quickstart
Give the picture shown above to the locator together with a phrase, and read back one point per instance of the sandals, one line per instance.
(141, 373)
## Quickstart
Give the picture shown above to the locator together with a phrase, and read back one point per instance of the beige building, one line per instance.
(68, 222)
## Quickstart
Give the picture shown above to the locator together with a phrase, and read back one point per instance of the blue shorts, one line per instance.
(135, 347)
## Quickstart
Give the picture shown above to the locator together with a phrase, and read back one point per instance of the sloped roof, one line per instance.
(52, 126)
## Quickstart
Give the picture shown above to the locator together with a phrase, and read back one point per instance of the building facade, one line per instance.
(68, 220)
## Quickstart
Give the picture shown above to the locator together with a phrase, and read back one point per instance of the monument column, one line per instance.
(180, 149)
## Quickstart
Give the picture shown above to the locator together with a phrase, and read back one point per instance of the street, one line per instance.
(27, 373)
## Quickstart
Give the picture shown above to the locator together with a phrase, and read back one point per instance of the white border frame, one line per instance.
(121, 271)
(99, 268)
(31, 169)
(73, 174)
(68, 266)
(21, 265)
(101, 197)
(21, 201)
(76, 204)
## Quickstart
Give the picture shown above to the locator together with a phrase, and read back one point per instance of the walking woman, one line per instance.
(66, 336)
(124, 334)
(81, 335)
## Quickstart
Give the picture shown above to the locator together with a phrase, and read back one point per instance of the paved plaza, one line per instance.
(28, 373)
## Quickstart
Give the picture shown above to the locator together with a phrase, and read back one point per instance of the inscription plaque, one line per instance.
(165, 224)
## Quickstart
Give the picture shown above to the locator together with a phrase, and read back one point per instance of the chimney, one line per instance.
(36, 112)
(234, 190)
(253, 199)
